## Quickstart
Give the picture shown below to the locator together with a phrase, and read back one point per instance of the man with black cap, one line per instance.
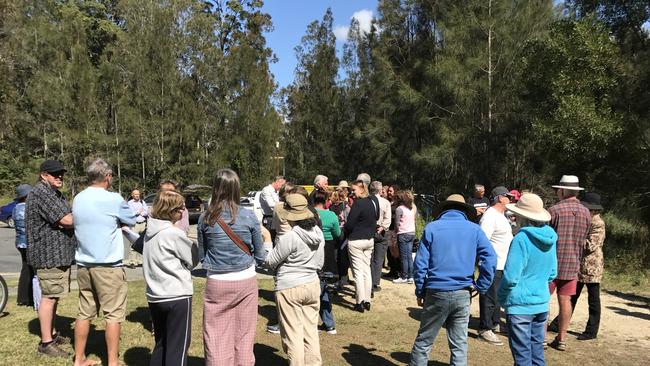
(497, 228)
(444, 277)
(51, 250)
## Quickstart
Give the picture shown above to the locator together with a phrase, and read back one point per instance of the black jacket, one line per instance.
(362, 220)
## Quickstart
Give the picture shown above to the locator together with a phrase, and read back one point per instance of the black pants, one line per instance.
(25, 294)
(343, 263)
(330, 263)
(377, 261)
(172, 321)
(593, 298)
(395, 265)
(489, 307)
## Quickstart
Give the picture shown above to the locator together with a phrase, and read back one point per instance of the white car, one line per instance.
(252, 202)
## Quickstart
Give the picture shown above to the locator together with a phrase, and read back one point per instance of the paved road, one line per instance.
(9, 256)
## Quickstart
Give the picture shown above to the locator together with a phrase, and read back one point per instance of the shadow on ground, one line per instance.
(630, 297)
(626, 312)
(358, 355)
(404, 357)
(140, 356)
(141, 315)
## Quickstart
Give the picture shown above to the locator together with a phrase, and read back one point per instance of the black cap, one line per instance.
(52, 166)
(501, 191)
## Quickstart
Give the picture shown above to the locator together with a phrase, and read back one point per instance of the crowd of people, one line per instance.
(310, 242)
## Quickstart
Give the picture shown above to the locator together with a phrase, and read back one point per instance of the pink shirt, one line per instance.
(406, 224)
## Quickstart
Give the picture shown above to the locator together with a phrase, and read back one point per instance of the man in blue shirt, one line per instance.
(444, 277)
(100, 251)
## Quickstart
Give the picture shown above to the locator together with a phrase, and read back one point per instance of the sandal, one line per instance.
(558, 345)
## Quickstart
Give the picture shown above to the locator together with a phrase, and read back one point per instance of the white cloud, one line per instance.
(363, 16)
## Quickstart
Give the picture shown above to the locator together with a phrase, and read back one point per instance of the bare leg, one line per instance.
(113, 342)
(565, 316)
(81, 329)
(46, 314)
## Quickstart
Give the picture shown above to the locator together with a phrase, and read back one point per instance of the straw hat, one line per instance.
(343, 184)
(570, 182)
(531, 207)
(296, 208)
(455, 202)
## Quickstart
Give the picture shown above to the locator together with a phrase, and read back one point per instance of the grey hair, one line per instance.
(375, 187)
(479, 187)
(318, 178)
(365, 177)
(97, 170)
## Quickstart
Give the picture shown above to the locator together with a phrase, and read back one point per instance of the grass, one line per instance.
(382, 337)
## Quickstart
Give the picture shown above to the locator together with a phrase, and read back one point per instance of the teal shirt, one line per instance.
(331, 228)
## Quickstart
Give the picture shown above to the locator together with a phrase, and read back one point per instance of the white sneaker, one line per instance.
(410, 280)
(490, 337)
(400, 280)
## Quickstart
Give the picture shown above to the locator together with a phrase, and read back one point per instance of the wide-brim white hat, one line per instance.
(569, 182)
(531, 207)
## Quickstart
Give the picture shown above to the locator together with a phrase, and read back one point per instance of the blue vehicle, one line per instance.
(6, 212)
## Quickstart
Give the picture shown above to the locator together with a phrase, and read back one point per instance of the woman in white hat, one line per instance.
(531, 265)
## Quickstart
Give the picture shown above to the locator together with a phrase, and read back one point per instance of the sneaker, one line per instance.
(410, 280)
(400, 280)
(59, 339)
(500, 329)
(51, 350)
(490, 337)
(560, 346)
(359, 308)
(366, 305)
(275, 328)
(328, 330)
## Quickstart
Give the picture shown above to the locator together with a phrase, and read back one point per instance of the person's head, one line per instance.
(320, 198)
(135, 194)
(568, 187)
(51, 173)
(530, 211)
(225, 195)
(297, 212)
(501, 197)
(337, 197)
(278, 182)
(390, 192)
(360, 189)
(384, 191)
(563, 193)
(320, 182)
(21, 192)
(168, 205)
(167, 185)
(405, 198)
(365, 178)
(99, 173)
(375, 187)
(344, 189)
(479, 190)
(287, 188)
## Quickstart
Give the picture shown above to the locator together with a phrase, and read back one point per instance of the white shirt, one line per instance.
(498, 230)
(268, 199)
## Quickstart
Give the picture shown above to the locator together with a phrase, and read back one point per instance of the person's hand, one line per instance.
(420, 302)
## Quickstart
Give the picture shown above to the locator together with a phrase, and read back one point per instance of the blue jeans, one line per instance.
(526, 338)
(405, 244)
(325, 307)
(450, 308)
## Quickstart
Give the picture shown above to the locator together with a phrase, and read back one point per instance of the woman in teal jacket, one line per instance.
(524, 294)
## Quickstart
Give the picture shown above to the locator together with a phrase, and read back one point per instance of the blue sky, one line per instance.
(290, 20)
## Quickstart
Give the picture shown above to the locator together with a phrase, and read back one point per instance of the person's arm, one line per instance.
(184, 222)
(66, 221)
(398, 217)
(487, 262)
(145, 209)
(258, 243)
(336, 228)
(54, 210)
(281, 251)
(385, 222)
(125, 214)
(353, 218)
(421, 263)
(185, 249)
(199, 237)
(517, 258)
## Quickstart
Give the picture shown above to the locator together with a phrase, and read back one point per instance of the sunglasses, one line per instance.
(57, 174)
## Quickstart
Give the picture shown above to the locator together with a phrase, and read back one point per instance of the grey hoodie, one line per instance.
(298, 256)
(169, 256)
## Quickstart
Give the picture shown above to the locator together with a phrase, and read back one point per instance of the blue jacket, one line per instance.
(447, 253)
(18, 214)
(531, 265)
(220, 254)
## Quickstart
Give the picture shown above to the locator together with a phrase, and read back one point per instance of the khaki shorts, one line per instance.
(105, 288)
(54, 282)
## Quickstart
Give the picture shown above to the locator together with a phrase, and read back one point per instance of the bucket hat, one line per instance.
(295, 208)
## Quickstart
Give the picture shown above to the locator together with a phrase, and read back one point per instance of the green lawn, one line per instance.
(381, 337)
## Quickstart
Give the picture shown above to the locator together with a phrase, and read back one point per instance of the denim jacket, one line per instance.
(19, 219)
(220, 254)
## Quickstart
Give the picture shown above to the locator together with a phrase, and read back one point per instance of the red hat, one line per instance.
(515, 194)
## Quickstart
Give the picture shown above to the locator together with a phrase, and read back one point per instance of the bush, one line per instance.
(627, 245)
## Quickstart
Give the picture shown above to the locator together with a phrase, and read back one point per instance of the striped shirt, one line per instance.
(571, 221)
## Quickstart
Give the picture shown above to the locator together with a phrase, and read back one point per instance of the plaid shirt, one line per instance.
(49, 245)
(571, 221)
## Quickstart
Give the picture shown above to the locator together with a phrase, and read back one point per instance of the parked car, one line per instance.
(193, 202)
(5, 213)
(251, 201)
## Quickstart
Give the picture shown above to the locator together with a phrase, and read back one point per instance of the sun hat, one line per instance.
(52, 166)
(22, 191)
(343, 184)
(296, 208)
(501, 191)
(455, 202)
(591, 201)
(531, 207)
(570, 182)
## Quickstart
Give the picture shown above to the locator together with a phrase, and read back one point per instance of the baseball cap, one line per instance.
(501, 191)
